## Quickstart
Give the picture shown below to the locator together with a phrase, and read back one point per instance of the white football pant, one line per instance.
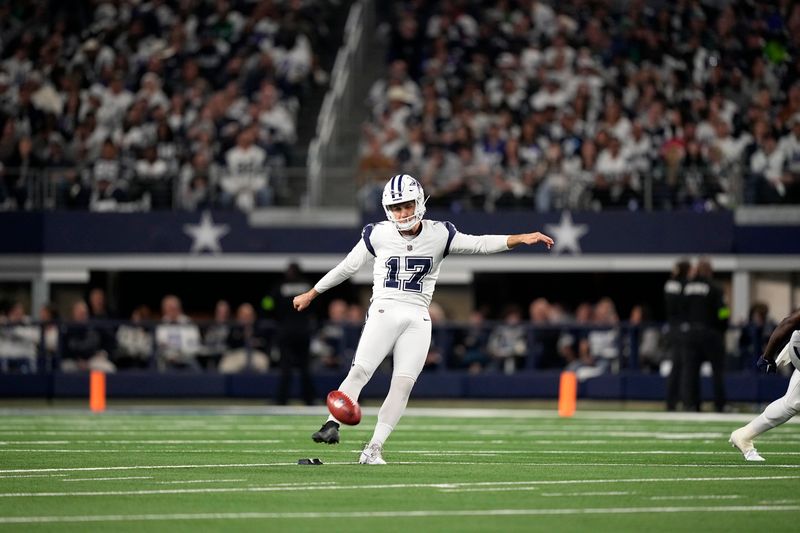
(778, 411)
(405, 330)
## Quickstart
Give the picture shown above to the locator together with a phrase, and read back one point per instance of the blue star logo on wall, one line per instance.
(567, 234)
(206, 235)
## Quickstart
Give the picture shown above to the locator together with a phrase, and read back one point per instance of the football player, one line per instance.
(786, 335)
(407, 252)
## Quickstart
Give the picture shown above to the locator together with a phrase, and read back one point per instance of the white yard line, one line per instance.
(430, 453)
(106, 478)
(33, 475)
(143, 441)
(144, 450)
(578, 452)
(113, 413)
(568, 494)
(394, 514)
(189, 481)
(339, 487)
(699, 497)
(141, 467)
(491, 489)
(740, 465)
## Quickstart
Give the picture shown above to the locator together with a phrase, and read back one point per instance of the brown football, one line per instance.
(343, 408)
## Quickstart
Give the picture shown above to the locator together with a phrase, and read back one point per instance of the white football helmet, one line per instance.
(404, 188)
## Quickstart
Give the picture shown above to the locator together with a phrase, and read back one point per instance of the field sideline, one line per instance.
(235, 468)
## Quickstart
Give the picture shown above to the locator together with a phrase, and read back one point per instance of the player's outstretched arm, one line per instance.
(301, 301)
(529, 238)
(357, 257)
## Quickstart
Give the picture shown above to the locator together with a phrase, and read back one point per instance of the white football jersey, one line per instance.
(407, 269)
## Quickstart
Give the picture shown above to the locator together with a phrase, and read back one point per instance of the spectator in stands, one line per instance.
(215, 337)
(470, 347)
(790, 147)
(614, 184)
(544, 335)
(507, 344)
(766, 177)
(48, 317)
(246, 344)
(19, 340)
(151, 91)
(573, 346)
(83, 346)
(754, 335)
(177, 337)
(356, 315)
(371, 174)
(19, 172)
(604, 338)
(108, 178)
(245, 181)
(98, 308)
(329, 345)
(275, 117)
(199, 183)
(135, 340)
(100, 314)
(152, 180)
(647, 337)
(115, 101)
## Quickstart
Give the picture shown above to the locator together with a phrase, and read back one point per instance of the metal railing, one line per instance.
(120, 345)
(59, 188)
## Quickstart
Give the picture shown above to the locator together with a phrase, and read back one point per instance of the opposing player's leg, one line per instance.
(774, 415)
(410, 352)
(379, 335)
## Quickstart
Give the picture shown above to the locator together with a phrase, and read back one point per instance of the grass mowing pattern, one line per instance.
(598, 472)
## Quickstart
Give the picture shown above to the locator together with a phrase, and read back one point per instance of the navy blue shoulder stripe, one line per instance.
(451, 232)
(365, 234)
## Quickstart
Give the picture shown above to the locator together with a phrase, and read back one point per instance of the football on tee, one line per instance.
(344, 409)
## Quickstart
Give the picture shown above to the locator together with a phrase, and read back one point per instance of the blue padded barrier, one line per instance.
(740, 387)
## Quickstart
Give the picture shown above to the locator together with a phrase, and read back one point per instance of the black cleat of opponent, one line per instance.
(328, 433)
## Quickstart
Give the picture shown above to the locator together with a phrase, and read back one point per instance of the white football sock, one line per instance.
(778, 411)
(393, 408)
(353, 383)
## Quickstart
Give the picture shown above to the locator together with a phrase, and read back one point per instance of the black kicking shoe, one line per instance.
(328, 433)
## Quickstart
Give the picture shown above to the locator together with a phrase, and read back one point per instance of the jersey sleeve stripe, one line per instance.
(365, 234)
(451, 232)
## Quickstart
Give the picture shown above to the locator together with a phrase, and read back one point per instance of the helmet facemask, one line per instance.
(400, 189)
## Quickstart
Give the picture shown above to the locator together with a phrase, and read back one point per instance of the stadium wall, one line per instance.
(743, 387)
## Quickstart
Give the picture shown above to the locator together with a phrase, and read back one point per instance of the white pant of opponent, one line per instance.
(778, 411)
(405, 330)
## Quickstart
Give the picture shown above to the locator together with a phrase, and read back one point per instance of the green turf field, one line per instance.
(450, 470)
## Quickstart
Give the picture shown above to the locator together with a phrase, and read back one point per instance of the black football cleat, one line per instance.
(328, 433)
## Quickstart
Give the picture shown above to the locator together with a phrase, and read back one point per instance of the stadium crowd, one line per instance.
(138, 105)
(589, 338)
(589, 105)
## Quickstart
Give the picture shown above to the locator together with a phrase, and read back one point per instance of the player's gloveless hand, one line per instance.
(530, 238)
(301, 301)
